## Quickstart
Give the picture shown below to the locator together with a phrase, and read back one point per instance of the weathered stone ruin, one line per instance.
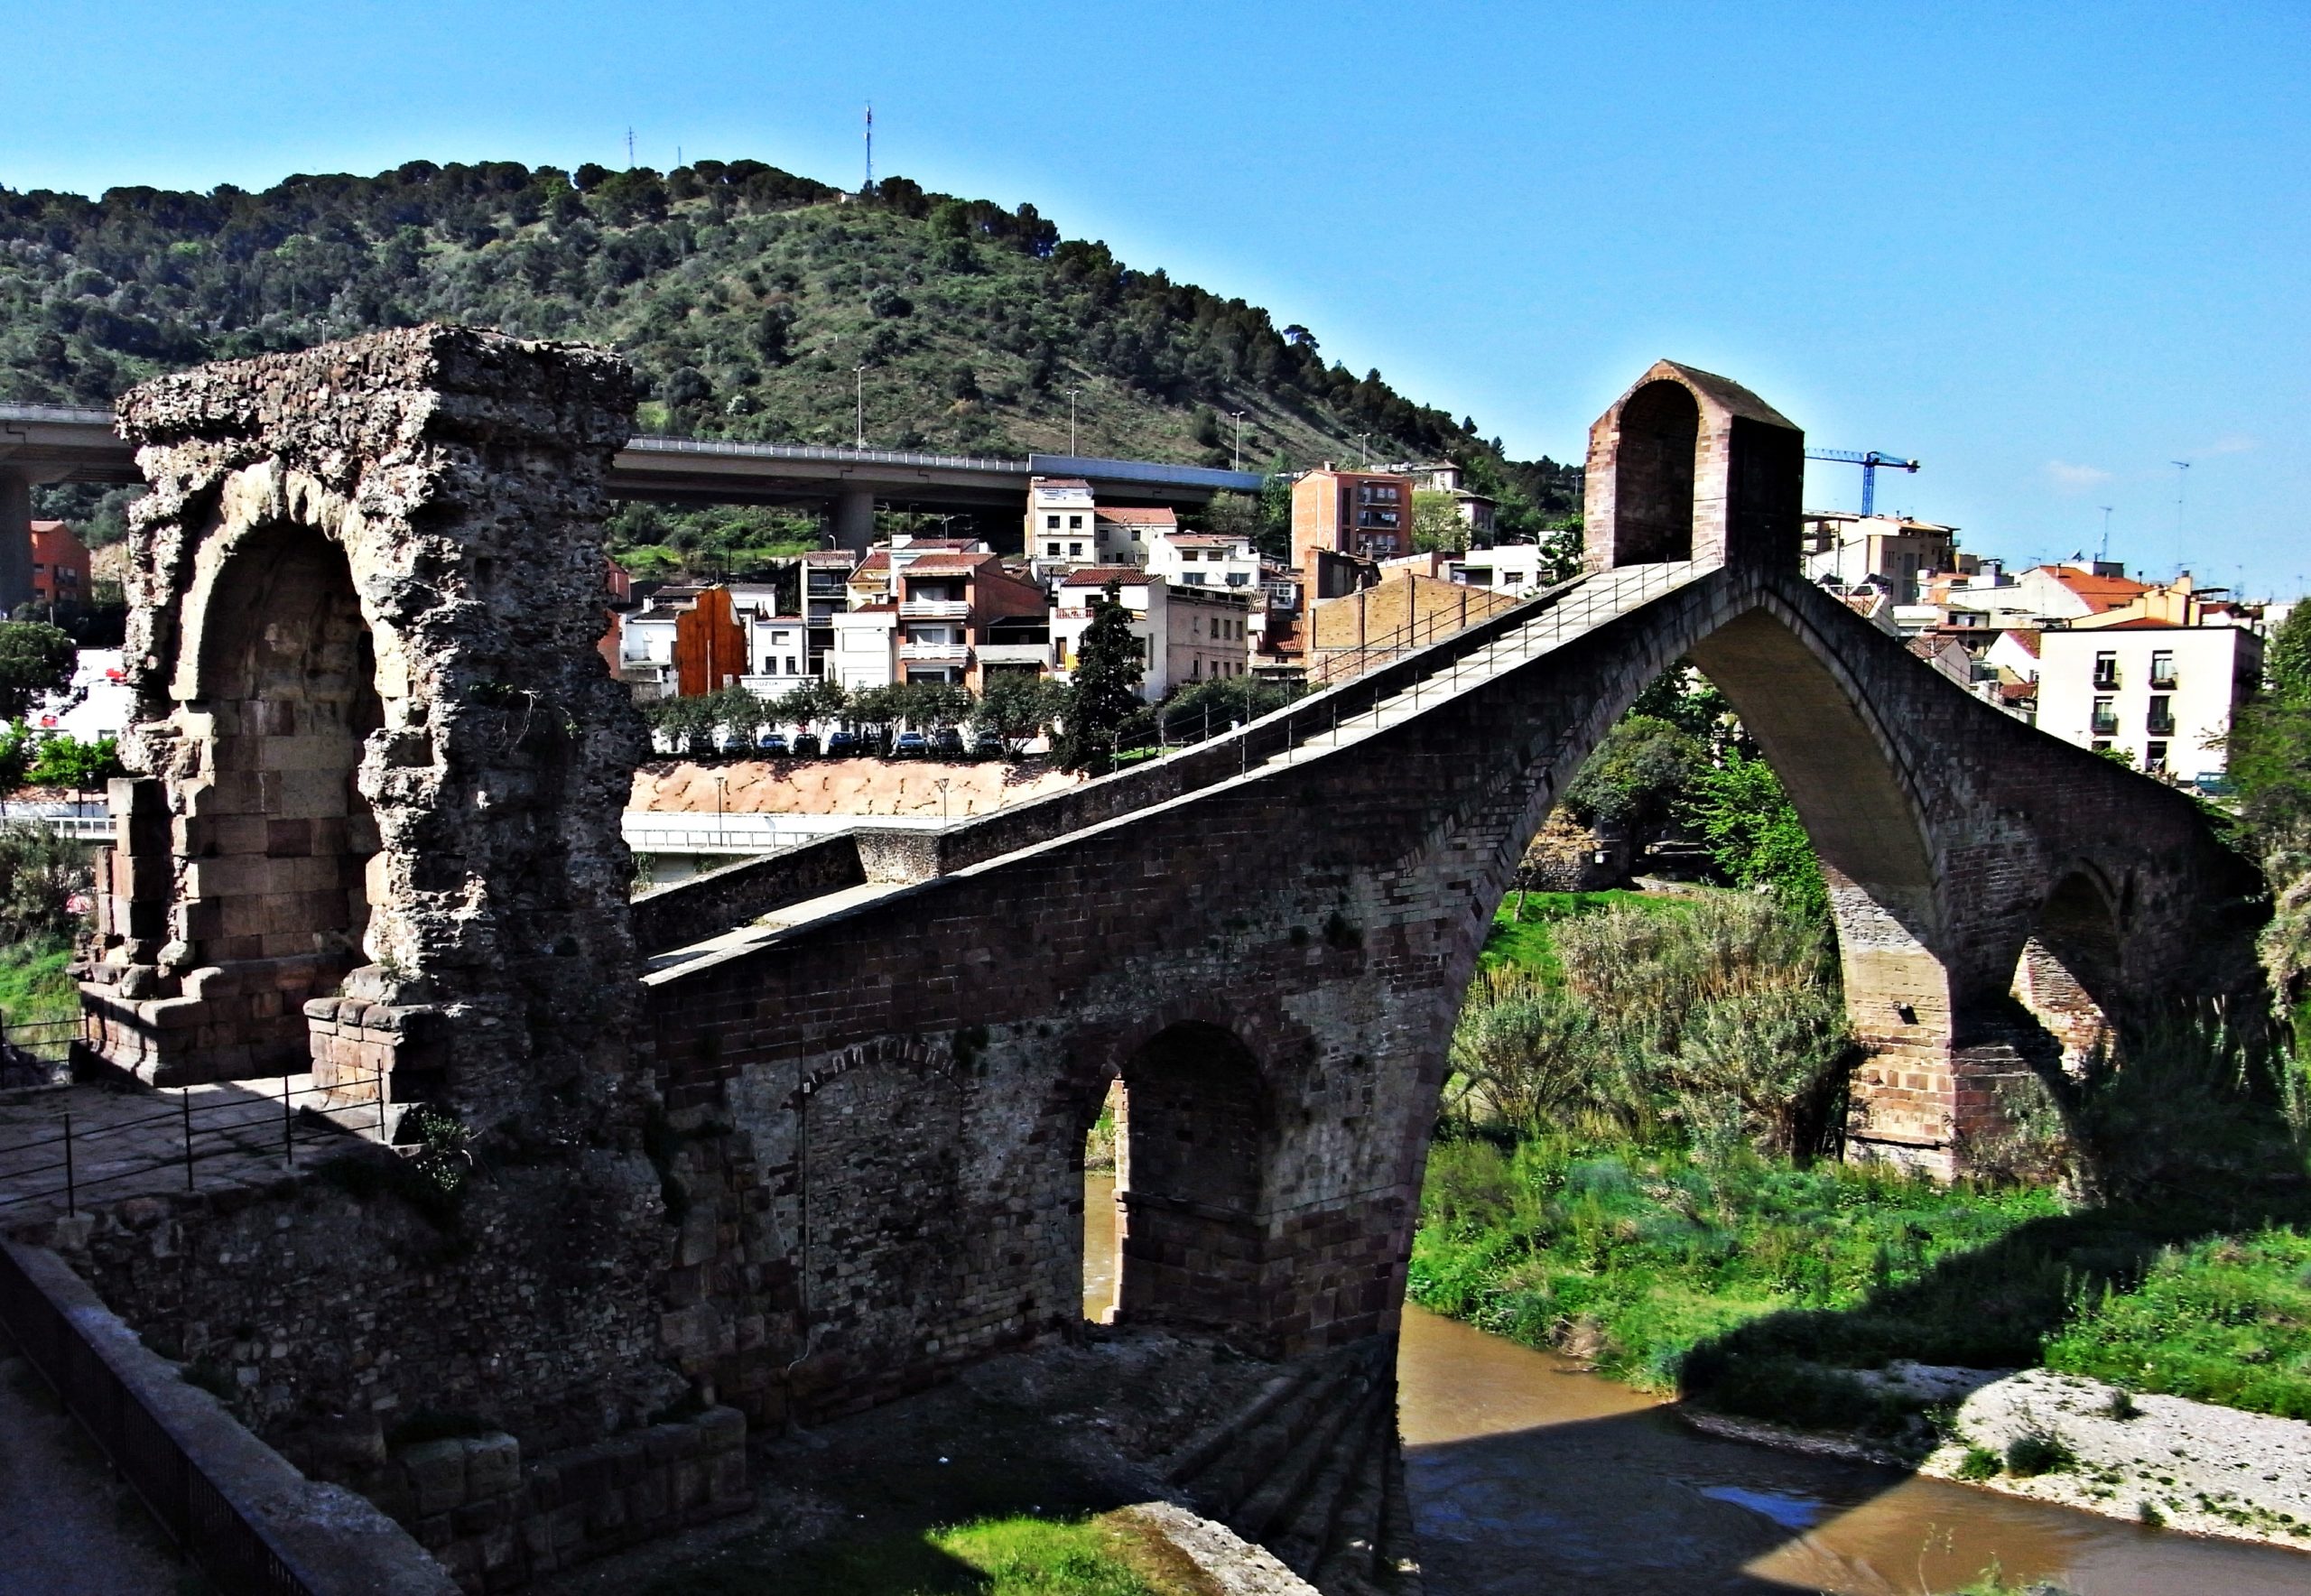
(375, 827)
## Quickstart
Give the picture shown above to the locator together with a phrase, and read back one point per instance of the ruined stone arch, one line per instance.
(366, 588)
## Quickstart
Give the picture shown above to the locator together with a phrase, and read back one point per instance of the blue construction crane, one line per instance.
(1869, 459)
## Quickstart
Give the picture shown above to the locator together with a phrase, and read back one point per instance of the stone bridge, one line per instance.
(825, 1111)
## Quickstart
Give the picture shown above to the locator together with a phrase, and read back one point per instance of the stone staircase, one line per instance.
(1313, 1471)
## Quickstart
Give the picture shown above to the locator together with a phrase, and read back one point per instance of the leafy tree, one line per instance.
(1753, 833)
(1210, 707)
(66, 762)
(1018, 707)
(36, 659)
(1105, 691)
(2268, 762)
(1638, 776)
(1436, 524)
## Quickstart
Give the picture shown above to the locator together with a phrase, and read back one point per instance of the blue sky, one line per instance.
(2048, 249)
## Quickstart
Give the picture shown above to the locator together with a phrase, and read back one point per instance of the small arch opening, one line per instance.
(1190, 1137)
(2068, 968)
(280, 838)
(1653, 477)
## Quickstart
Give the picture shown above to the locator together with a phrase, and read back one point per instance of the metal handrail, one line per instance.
(69, 1142)
(654, 445)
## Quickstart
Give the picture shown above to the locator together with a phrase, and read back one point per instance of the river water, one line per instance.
(1529, 1476)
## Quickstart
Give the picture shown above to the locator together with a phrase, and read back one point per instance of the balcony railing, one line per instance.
(2164, 680)
(1015, 654)
(2105, 726)
(935, 610)
(940, 654)
(2106, 680)
(2160, 725)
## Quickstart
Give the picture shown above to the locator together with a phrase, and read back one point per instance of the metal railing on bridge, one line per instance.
(87, 820)
(94, 1157)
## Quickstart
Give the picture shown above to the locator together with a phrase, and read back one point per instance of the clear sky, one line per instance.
(2047, 249)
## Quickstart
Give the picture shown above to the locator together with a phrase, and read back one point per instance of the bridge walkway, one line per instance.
(1457, 666)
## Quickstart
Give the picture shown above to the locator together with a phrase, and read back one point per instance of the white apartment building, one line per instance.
(1060, 516)
(779, 649)
(865, 648)
(2162, 695)
(1204, 560)
(1186, 635)
(1507, 568)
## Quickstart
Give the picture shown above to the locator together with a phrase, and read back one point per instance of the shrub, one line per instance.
(2037, 1451)
(1979, 1463)
(39, 873)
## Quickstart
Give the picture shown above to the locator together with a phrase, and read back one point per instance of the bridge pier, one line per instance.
(16, 540)
(854, 519)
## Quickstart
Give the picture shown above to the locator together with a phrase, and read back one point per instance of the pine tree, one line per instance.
(1106, 688)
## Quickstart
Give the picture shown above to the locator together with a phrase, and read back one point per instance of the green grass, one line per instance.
(1649, 1253)
(1520, 926)
(2224, 1320)
(1018, 1555)
(33, 982)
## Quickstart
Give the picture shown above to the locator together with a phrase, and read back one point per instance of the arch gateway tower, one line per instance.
(374, 828)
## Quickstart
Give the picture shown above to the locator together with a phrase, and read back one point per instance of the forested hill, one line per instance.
(745, 294)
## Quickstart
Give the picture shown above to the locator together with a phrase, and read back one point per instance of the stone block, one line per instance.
(436, 1472)
(493, 1466)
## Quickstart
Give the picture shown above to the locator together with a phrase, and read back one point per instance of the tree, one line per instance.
(65, 761)
(1105, 692)
(1436, 524)
(1745, 816)
(1018, 707)
(2268, 762)
(1638, 776)
(36, 659)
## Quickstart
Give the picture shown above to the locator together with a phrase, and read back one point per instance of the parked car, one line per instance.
(773, 743)
(987, 745)
(806, 745)
(912, 744)
(947, 743)
(841, 744)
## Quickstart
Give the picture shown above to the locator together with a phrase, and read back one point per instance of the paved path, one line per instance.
(130, 1141)
(68, 1528)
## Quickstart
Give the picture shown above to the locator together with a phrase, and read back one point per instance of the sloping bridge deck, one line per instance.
(1335, 721)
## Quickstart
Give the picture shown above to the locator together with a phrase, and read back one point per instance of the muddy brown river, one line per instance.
(1529, 1477)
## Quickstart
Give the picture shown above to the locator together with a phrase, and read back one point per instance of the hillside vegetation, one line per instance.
(745, 295)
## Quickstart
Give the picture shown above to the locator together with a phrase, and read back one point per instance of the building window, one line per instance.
(2101, 745)
(2154, 758)
(1051, 524)
(1194, 577)
(2106, 717)
(791, 670)
(1051, 549)
(2160, 722)
(2162, 668)
(1075, 523)
(1075, 551)
(1135, 534)
(2106, 670)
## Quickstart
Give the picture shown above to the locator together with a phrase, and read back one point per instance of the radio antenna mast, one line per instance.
(870, 149)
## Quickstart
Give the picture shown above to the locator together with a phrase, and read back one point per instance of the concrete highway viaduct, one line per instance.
(44, 444)
(818, 1118)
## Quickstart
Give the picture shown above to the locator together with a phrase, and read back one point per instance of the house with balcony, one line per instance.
(1060, 531)
(2163, 695)
(1187, 634)
(1365, 514)
(959, 612)
(826, 593)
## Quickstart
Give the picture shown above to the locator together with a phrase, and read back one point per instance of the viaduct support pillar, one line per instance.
(854, 519)
(15, 542)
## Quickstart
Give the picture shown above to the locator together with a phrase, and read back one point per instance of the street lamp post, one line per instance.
(1239, 438)
(721, 835)
(1071, 419)
(859, 373)
(942, 785)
